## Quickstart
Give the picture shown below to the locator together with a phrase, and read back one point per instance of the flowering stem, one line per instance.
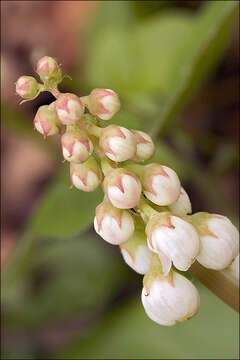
(107, 165)
(55, 92)
(145, 210)
(94, 130)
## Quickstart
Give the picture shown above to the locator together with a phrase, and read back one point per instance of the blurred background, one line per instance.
(65, 293)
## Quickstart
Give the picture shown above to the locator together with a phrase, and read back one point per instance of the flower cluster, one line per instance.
(145, 210)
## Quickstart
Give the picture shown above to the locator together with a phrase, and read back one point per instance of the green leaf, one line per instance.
(62, 211)
(128, 333)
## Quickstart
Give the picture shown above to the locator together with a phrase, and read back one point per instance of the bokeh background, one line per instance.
(65, 293)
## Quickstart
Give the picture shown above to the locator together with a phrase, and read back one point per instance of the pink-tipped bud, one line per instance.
(76, 146)
(171, 299)
(122, 188)
(118, 143)
(113, 225)
(103, 103)
(69, 108)
(161, 184)
(27, 87)
(145, 146)
(182, 206)
(46, 121)
(136, 252)
(87, 176)
(174, 237)
(219, 240)
(49, 71)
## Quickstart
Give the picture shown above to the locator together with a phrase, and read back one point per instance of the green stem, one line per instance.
(145, 210)
(107, 165)
(135, 168)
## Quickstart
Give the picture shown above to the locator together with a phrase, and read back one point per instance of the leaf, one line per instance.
(166, 57)
(64, 212)
(128, 333)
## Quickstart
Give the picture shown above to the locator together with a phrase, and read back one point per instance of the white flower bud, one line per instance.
(118, 143)
(113, 225)
(161, 184)
(27, 87)
(182, 206)
(145, 146)
(122, 188)
(86, 176)
(76, 146)
(171, 299)
(174, 237)
(219, 240)
(103, 103)
(46, 121)
(69, 108)
(49, 71)
(136, 252)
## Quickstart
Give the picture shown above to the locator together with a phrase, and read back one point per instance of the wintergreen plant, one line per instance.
(145, 209)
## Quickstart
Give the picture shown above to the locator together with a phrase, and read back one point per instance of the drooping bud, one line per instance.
(145, 146)
(136, 252)
(76, 146)
(86, 176)
(219, 240)
(169, 299)
(103, 103)
(174, 237)
(46, 121)
(69, 108)
(182, 206)
(112, 224)
(49, 71)
(27, 87)
(122, 188)
(118, 143)
(161, 184)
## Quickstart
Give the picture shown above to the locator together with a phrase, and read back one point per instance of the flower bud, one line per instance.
(118, 143)
(170, 299)
(145, 146)
(219, 240)
(76, 146)
(136, 252)
(49, 71)
(174, 237)
(46, 121)
(182, 206)
(27, 87)
(122, 188)
(113, 225)
(86, 176)
(103, 103)
(161, 184)
(69, 108)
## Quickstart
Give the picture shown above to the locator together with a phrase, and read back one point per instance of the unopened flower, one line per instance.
(219, 240)
(27, 87)
(171, 299)
(182, 206)
(49, 71)
(122, 188)
(161, 184)
(76, 146)
(86, 176)
(46, 121)
(145, 146)
(103, 103)
(136, 252)
(118, 143)
(112, 224)
(174, 237)
(69, 108)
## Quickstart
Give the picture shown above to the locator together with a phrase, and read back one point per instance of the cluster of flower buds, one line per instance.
(145, 210)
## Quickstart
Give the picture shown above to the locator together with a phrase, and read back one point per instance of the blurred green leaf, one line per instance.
(62, 211)
(167, 56)
(62, 278)
(128, 333)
